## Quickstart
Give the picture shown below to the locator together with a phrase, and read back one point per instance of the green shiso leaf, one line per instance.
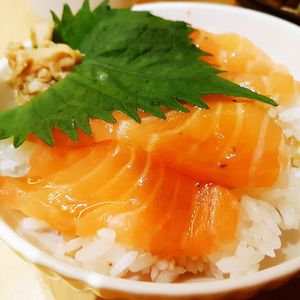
(132, 60)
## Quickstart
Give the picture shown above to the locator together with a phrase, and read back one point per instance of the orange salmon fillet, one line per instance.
(235, 144)
(152, 208)
(247, 65)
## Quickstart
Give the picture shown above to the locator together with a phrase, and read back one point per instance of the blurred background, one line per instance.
(17, 16)
(18, 279)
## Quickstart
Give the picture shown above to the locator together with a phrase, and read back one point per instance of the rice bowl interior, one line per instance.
(265, 227)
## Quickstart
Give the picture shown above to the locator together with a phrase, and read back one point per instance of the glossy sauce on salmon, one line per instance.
(235, 144)
(112, 185)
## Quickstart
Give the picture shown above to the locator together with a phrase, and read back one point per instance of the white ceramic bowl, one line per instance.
(281, 40)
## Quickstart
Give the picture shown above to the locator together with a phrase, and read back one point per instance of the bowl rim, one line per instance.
(225, 7)
(98, 281)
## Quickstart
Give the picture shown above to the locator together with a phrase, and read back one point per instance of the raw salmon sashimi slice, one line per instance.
(152, 208)
(278, 85)
(247, 65)
(234, 144)
(232, 52)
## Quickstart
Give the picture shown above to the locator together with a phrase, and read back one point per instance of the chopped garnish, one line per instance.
(35, 69)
